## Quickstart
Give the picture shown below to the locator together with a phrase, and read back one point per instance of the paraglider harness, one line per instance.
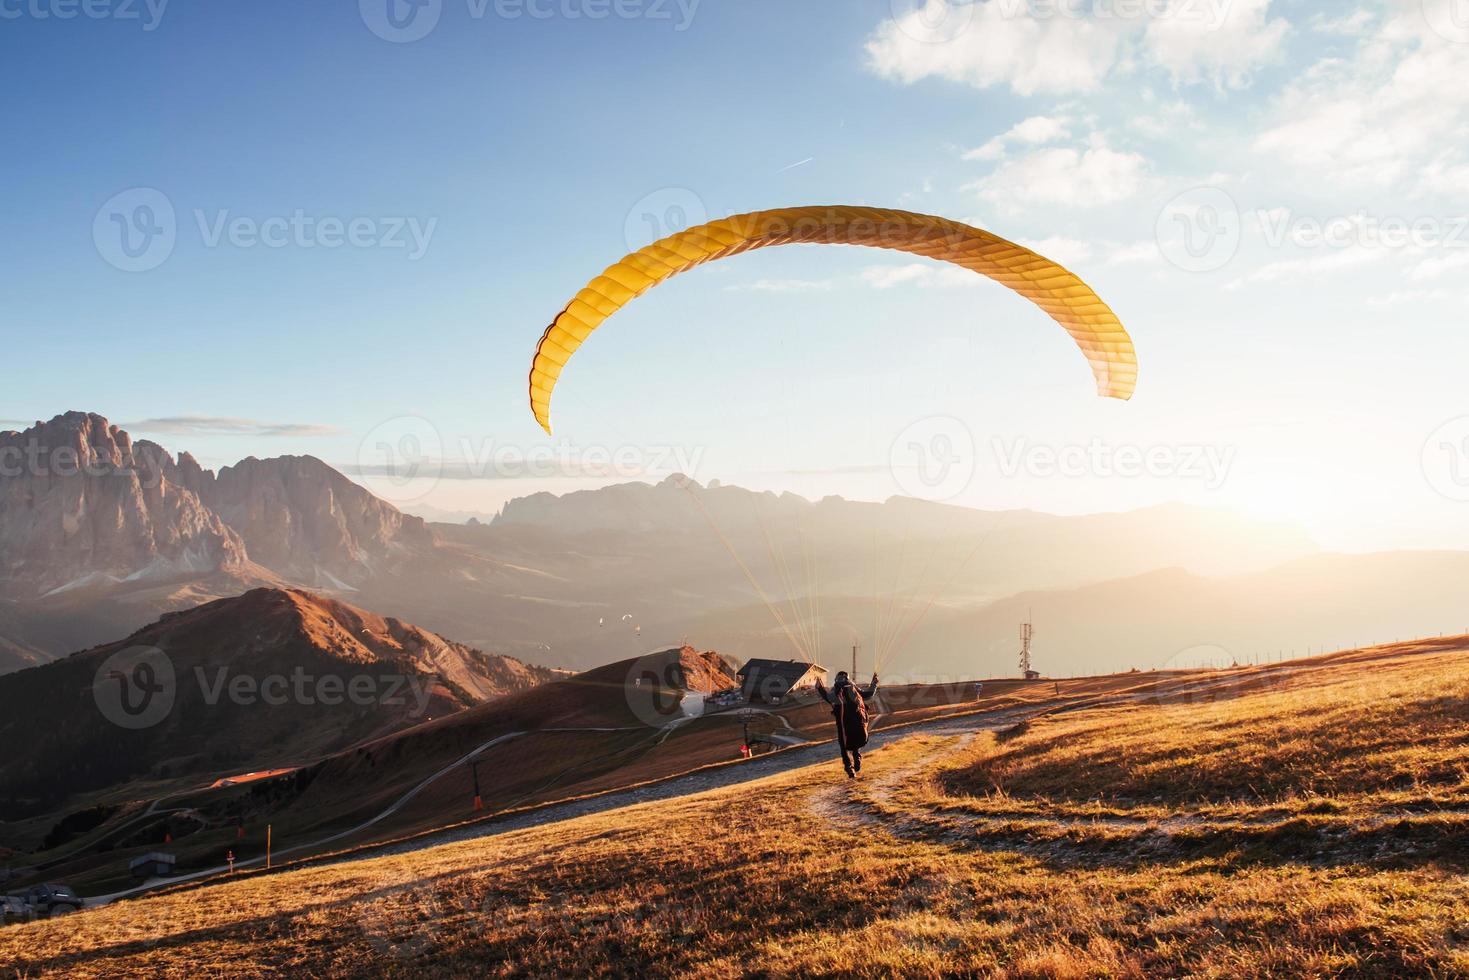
(849, 708)
(846, 697)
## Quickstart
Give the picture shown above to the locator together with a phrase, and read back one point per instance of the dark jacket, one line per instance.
(849, 708)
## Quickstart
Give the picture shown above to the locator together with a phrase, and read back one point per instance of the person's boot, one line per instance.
(857, 761)
(850, 773)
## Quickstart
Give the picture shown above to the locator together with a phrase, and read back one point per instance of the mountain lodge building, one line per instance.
(770, 681)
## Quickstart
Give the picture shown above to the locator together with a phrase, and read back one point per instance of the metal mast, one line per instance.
(1027, 631)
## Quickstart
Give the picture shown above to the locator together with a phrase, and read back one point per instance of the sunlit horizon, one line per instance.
(1259, 197)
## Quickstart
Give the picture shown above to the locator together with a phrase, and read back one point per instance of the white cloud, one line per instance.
(1052, 47)
(1033, 131)
(1070, 252)
(1089, 177)
(1076, 253)
(1315, 267)
(782, 286)
(918, 274)
(1397, 109)
(1354, 24)
(1066, 251)
(1432, 268)
(220, 425)
(1444, 177)
(1220, 43)
(908, 197)
(1166, 121)
(1135, 254)
(1404, 297)
(996, 43)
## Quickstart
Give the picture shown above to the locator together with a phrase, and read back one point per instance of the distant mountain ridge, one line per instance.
(1205, 540)
(1163, 618)
(677, 556)
(601, 575)
(567, 580)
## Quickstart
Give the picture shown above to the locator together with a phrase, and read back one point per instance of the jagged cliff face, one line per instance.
(80, 505)
(84, 507)
(303, 519)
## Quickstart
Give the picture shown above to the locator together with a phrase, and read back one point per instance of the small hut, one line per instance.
(154, 864)
(772, 681)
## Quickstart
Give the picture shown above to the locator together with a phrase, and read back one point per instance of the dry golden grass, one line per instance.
(916, 870)
(1273, 734)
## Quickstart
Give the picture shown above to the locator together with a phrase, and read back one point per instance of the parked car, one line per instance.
(14, 909)
(48, 900)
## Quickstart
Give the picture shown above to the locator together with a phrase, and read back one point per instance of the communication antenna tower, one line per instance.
(1027, 631)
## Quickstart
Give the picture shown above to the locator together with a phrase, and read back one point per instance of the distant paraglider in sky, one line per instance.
(1069, 301)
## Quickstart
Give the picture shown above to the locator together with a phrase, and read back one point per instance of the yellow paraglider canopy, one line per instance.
(1069, 301)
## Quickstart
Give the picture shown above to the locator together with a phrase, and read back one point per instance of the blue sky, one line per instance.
(1305, 360)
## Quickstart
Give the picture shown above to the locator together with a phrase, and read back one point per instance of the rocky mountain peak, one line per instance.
(302, 518)
(402, 675)
(81, 505)
(68, 441)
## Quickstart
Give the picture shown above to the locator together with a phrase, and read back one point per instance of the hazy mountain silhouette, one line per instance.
(95, 551)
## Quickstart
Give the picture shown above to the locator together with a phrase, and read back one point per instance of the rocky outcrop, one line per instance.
(303, 519)
(81, 505)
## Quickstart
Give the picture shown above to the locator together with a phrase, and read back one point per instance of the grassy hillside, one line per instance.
(1132, 839)
(76, 753)
(570, 739)
(1385, 724)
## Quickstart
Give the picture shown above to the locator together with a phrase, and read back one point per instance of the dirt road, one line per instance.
(822, 757)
